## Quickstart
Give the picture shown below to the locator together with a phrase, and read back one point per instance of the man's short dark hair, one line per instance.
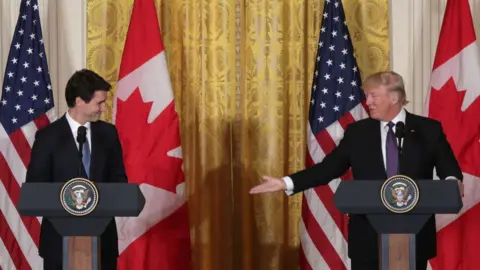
(83, 84)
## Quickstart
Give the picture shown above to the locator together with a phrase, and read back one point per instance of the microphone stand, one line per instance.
(399, 146)
(81, 137)
(400, 134)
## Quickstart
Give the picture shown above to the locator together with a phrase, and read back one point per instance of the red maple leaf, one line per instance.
(461, 128)
(145, 145)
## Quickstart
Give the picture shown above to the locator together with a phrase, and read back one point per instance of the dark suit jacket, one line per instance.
(54, 158)
(424, 147)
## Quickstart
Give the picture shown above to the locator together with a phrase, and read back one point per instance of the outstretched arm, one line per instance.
(333, 166)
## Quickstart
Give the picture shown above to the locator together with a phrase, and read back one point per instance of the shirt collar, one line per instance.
(75, 125)
(399, 118)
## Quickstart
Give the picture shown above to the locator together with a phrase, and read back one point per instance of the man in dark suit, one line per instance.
(55, 158)
(365, 149)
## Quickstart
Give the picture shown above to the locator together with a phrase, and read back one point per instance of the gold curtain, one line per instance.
(241, 72)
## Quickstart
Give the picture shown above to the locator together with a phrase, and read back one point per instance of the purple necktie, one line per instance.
(391, 151)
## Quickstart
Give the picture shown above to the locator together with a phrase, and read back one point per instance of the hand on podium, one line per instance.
(270, 184)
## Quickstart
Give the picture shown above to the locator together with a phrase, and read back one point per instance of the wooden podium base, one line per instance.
(81, 253)
(397, 247)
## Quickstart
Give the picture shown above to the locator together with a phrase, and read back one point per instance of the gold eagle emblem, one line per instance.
(400, 194)
(80, 198)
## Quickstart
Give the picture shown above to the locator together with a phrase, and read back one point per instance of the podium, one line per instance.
(80, 211)
(398, 223)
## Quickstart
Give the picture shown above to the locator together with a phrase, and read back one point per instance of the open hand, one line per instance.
(270, 184)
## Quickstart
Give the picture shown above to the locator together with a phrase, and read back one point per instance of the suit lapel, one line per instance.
(408, 142)
(377, 154)
(69, 148)
(97, 153)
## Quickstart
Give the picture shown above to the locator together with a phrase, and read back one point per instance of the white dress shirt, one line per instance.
(74, 125)
(401, 116)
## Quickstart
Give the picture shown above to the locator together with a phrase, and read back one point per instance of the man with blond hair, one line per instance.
(369, 148)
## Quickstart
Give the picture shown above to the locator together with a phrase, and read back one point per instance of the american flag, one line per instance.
(26, 105)
(336, 101)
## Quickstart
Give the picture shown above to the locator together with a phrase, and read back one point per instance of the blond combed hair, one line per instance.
(391, 80)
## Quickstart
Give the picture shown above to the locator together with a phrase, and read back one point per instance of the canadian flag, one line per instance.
(148, 126)
(453, 100)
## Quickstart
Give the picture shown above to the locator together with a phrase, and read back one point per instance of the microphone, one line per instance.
(400, 134)
(81, 137)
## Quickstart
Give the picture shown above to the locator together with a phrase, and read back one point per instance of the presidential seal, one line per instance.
(79, 196)
(399, 194)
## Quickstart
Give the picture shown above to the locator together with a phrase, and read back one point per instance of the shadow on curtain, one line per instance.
(241, 73)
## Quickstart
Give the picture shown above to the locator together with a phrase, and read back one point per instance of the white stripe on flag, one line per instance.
(316, 152)
(6, 262)
(11, 157)
(52, 115)
(359, 113)
(19, 230)
(335, 131)
(314, 258)
(334, 184)
(29, 132)
(326, 223)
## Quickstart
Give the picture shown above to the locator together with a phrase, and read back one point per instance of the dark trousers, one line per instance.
(107, 263)
(373, 265)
